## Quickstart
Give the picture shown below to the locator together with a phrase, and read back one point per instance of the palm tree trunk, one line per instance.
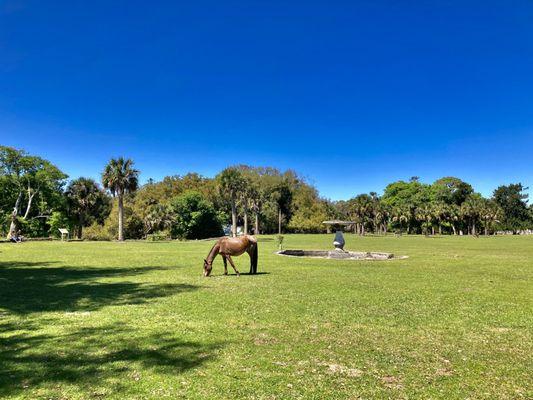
(256, 230)
(279, 220)
(245, 221)
(80, 226)
(440, 229)
(454, 230)
(233, 218)
(473, 229)
(486, 230)
(120, 217)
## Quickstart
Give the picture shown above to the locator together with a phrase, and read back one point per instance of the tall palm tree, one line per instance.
(231, 183)
(453, 215)
(119, 177)
(471, 210)
(400, 216)
(490, 214)
(246, 199)
(257, 196)
(361, 211)
(378, 212)
(83, 195)
(385, 217)
(440, 211)
(425, 214)
(281, 195)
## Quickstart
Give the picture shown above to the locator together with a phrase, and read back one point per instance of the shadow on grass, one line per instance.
(257, 273)
(233, 274)
(100, 360)
(27, 287)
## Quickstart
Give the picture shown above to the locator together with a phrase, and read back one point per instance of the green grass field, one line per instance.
(137, 320)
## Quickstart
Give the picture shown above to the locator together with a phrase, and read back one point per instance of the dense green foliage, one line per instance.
(86, 203)
(137, 320)
(194, 217)
(31, 189)
(513, 202)
(258, 199)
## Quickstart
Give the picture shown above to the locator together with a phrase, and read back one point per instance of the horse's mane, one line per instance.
(214, 251)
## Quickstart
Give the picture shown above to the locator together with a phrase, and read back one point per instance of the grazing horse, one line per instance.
(232, 246)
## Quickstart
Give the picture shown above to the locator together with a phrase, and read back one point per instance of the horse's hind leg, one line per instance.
(252, 252)
(233, 265)
(225, 264)
(249, 251)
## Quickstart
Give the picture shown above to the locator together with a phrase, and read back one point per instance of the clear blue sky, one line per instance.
(351, 94)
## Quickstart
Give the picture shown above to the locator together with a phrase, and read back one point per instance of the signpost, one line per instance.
(64, 234)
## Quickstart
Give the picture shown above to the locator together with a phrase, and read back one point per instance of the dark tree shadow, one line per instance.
(93, 358)
(27, 287)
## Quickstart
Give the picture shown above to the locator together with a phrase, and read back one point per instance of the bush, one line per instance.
(5, 221)
(194, 217)
(56, 221)
(309, 219)
(133, 225)
(97, 232)
(158, 237)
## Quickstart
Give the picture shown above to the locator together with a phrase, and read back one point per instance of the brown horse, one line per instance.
(232, 246)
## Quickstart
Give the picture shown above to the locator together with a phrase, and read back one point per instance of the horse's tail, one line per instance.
(255, 257)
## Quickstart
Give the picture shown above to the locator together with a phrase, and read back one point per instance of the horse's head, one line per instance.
(208, 266)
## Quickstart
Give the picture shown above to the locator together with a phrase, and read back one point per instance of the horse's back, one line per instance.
(236, 245)
(244, 240)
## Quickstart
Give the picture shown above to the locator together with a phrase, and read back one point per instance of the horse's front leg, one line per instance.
(225, 264)
(233, 265)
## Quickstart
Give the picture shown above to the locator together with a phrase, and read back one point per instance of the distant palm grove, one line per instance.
(36, 199)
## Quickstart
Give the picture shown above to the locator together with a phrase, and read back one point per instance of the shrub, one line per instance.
(133, 225)
(158, 236)
(56, 221)
(194, 217)
(97, 232)
(4, 224)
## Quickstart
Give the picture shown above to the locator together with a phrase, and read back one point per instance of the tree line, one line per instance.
(36, 199)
